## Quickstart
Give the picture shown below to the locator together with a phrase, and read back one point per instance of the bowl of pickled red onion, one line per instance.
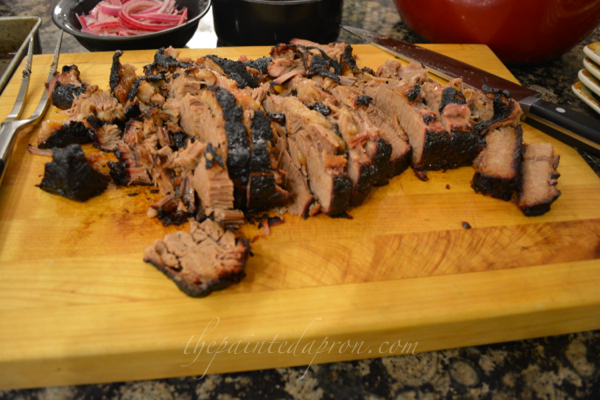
(109, 25)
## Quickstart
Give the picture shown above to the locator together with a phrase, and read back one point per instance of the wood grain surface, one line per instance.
(78, 305)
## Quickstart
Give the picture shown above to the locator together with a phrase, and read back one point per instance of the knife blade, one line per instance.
(575, 129)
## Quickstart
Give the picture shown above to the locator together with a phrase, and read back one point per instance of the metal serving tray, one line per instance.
(15, 33)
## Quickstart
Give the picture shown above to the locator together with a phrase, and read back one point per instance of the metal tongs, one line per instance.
(12, 125)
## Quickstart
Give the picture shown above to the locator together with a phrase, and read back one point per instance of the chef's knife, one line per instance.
(578, 130)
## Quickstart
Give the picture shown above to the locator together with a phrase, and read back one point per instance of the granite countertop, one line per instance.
(559, 367)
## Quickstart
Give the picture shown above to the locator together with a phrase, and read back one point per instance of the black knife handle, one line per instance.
(578, 130)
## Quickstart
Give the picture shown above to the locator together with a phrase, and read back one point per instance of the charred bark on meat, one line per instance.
(237, 71)
(238, 146)
(73, 132)
(63, 95)
(260, 64)
(71, 176)
(263, 190)
(164, 63)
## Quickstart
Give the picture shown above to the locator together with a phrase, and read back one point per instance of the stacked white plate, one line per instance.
(588, 89)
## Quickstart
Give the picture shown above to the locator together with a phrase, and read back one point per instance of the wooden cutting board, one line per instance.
(78, 304)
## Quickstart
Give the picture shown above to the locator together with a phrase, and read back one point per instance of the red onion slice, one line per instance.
(132, 17)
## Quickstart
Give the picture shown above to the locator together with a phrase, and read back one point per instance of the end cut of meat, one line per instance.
(205, 259)
(539, 177)
(497, 167)
(71, 176)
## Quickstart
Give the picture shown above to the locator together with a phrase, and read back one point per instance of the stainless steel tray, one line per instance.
(15, 33)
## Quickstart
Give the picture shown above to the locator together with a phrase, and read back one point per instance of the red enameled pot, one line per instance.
(518, 31)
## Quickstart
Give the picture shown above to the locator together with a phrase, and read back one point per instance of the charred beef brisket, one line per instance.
(122, 78)
(451, 103)
(71, 176)
(304, 131)
(73, 132)
(205, 259)
(238, 146)
(316, 150)
(264, 190)
(428, 138)
(65, 87)
(497, 167)
(537, 189)
(506, 111)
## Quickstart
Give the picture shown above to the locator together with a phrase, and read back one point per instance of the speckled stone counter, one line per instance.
(561, 367)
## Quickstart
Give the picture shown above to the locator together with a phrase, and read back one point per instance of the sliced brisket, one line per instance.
(55, 134)
(498, 166)
(65, 87)
(507, 111)
(122, 78)
(71, 176)
(264, 190)
(450, 102)
(428, 138)
(537, 190)
(206, 259)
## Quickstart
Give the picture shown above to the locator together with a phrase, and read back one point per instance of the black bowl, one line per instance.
(269, 22)
(64, 17)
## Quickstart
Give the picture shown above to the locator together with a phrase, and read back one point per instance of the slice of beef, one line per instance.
(361, 168)
(127, 171)
(98, 104)
(428, 138)
(317, 150)
(71, 176)
(238, 145)
(451, 103)
(65, 87)
(56, 134)
(498, 166)
(63, 95)
(327, 173)
(206, 259)
(465, 142)
(393, 134)
(214, 186)
(260, 64)
(362, 173)
(187, 158)
(329, 181)
(235, 70)
(108, 137)
(537, 189)
(264, 190)
(315, 61)
(413, 73)
(191, 80)
(146, 92)
(122, 78)
(169, 212)
(481, 106)
(187, 194)
(202, 117)
(507, 111)
(165, 60)
(387, 147)
(214, 117)
(301, 198)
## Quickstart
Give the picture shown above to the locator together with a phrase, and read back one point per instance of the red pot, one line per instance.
(516, 30)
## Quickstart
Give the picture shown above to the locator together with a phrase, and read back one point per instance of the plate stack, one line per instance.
(588, 89)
